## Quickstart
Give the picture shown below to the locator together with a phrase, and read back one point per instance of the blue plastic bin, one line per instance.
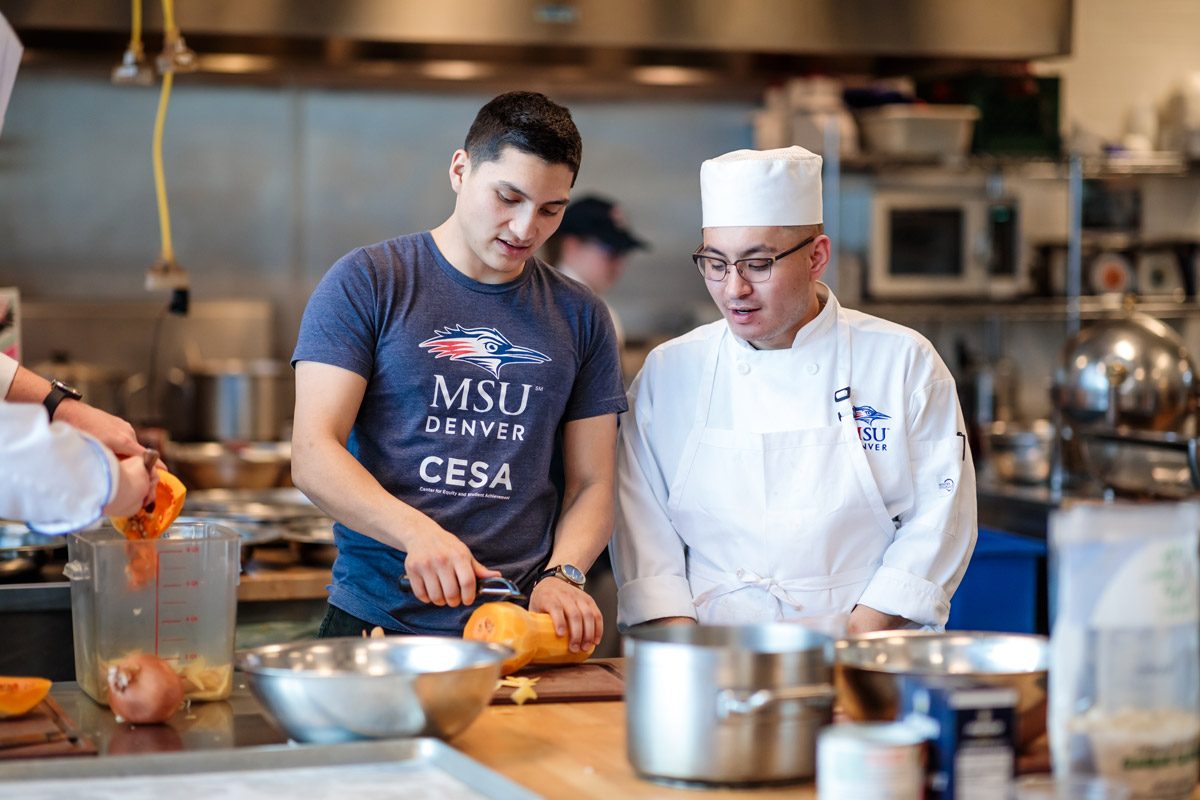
(1005, 586)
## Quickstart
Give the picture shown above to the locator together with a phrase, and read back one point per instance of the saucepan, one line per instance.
(233, 400)
(104, 387)
(1021, 454)
(726, 704)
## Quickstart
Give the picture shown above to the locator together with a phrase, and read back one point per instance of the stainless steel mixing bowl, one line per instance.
(223, 465)
(868, 669)
(338, 690)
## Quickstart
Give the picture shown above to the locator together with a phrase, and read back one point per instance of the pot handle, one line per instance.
(741, 702)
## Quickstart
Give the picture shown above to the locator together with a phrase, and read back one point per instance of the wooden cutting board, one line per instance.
(569, 683)
(45, 731)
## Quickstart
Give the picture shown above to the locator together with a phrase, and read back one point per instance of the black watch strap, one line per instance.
(59, 391)
(562, 572)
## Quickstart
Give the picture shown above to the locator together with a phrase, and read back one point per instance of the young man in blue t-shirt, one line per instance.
(456, 398)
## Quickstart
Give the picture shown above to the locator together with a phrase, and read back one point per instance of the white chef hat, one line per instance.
(753, 188)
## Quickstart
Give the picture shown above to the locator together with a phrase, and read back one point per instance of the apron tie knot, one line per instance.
(746, 576)
(767, 584)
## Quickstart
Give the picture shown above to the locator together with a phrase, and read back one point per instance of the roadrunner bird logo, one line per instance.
(486, 348)
(868, 415)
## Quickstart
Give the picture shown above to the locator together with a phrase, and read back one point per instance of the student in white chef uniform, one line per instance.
(796, 459)
(62, 476)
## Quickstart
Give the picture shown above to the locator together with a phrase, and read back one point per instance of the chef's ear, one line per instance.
(460, 165)
(819, 257)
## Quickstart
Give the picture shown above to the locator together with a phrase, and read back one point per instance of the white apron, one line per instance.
(784, 525)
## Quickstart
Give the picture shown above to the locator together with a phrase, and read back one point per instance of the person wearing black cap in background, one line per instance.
(592, 245)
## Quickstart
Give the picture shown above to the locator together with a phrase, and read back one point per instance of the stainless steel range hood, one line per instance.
(476, 40)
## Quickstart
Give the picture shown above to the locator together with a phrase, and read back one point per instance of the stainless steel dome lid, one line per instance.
(1129, 371)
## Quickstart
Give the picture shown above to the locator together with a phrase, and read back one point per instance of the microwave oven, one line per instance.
(942, 242)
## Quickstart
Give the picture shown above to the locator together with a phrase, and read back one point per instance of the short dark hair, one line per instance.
(530, 122)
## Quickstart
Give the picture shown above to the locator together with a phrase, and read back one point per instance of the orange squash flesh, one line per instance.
(20, 695)
(530, 635)
(145, 526)
(141, 563)
(168, 502)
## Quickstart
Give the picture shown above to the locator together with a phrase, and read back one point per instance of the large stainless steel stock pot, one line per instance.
(727, 705)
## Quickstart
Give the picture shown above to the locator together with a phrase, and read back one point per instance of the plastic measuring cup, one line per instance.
(175, 597)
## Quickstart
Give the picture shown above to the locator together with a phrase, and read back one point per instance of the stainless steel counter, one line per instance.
(229, 748)
(277, 601)
(236, 722)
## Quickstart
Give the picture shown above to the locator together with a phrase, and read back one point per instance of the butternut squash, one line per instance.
(530, 635)
(19, 695)
(168, 502)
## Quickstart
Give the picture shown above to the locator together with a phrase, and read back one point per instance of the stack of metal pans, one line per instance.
(260, 516)
(23, 553)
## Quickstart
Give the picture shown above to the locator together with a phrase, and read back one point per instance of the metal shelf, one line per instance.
(1112, 166)
(1029, 310)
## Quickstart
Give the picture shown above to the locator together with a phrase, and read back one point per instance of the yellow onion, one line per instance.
(143, 689)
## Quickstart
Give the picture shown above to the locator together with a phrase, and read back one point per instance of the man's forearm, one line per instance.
(341, 487)
(585, 526)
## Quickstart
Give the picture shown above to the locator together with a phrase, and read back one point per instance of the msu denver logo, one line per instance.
(872, 438)
(486, 348)
(868, 415)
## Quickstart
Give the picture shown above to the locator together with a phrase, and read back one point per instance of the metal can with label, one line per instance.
(870, 761)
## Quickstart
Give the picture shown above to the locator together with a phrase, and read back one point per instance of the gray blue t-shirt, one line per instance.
(468, 386)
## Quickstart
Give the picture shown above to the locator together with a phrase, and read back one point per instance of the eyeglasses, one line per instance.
(754, 270)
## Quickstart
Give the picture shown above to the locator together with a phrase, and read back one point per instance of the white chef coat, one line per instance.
(730, 457)
(54, 477)
(8, 371)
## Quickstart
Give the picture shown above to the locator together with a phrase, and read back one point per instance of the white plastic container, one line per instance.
(871, 761)
(1125, 646)
(914, 131)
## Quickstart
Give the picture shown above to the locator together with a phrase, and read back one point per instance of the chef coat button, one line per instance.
(813, 369)
(743, 368)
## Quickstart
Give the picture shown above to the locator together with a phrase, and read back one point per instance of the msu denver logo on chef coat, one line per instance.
(873, 438)
(486, 348)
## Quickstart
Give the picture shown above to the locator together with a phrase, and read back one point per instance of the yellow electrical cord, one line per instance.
(170, 34)
(135, 35)
(160, 183)
(169, 30)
